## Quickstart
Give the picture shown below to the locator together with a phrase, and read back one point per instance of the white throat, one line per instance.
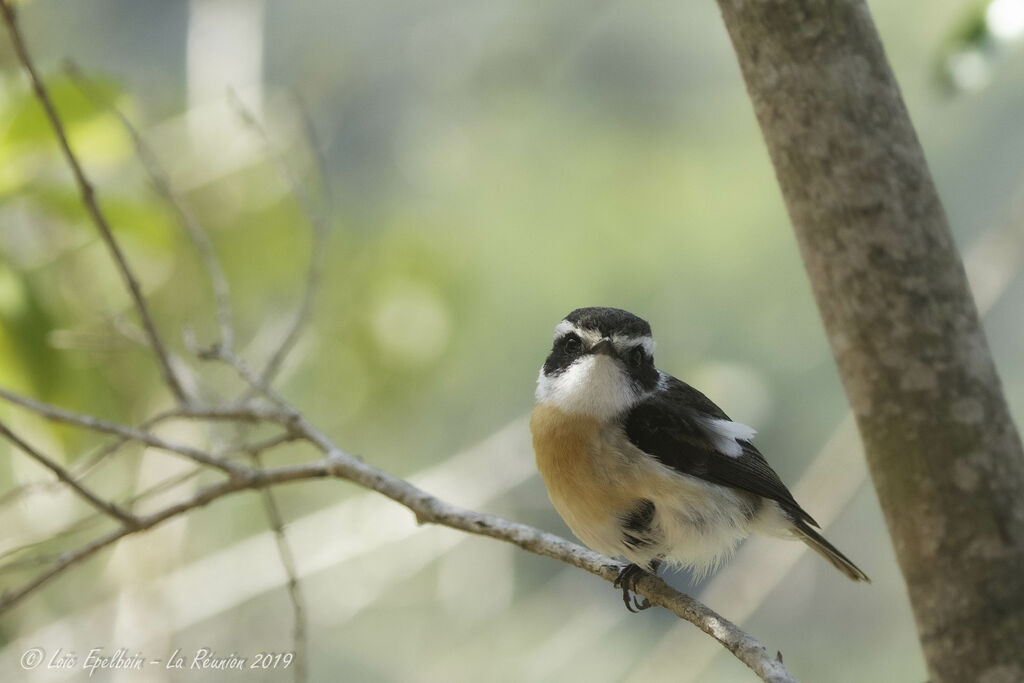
(593, 385)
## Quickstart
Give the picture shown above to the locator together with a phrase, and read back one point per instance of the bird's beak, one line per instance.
(604, 347)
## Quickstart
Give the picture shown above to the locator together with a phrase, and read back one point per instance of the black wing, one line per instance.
(670, 425)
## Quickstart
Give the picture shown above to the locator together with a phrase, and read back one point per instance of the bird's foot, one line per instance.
(627, 582)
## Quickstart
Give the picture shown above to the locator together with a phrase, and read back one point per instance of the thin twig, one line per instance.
(28, 488)
(99, 425)
(62, 474)
(316, 150)
(86, 465)
(162, 184)
(28, 563)
(256, 386)
(167, 484)
(267, 444)
(90, 463)
(69, 559)
(91, 205)
(284, 551)
(78, 526)
(317, 221)
(258, 447)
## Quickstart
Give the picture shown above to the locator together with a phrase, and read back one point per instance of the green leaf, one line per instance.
(27, 121)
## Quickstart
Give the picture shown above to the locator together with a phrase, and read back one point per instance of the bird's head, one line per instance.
(601, 363)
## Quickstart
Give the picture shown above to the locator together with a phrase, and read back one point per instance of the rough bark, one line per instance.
(943, 452)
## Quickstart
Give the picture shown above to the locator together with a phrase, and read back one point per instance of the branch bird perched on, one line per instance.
(640, 464)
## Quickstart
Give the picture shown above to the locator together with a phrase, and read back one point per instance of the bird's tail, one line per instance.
(818, 543)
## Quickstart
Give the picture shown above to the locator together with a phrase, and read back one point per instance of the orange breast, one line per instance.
(568, 450)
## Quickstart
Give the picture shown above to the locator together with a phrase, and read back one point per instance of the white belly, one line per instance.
(595, 477)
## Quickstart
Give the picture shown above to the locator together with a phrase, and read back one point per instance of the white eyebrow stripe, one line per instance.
(564, 328)
(726, 435)
(587, 335)
(624, 342)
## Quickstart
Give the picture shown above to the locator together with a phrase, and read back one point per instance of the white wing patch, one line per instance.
(726, 435)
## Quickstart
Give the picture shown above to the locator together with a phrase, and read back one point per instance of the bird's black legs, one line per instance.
(627, 582)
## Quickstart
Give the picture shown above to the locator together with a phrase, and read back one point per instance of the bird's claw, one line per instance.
(627, 580)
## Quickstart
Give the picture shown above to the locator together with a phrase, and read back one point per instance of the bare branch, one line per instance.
(427, 509)
(257, 447)
(62, 474)
(431, 510)
(90, 203)
(98, 425)
(69, 559)
(84, 523)
(86, 465)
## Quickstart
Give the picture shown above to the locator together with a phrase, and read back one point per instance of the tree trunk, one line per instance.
(944, 455)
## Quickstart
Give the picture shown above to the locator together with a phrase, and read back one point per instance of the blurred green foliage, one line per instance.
(494, 166)
(979, 44)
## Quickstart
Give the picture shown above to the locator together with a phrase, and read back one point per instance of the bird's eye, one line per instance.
(636, 356)
(572, 344)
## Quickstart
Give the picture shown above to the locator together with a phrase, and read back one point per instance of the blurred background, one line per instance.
(487, 167)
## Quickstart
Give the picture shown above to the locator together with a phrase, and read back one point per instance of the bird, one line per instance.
(643, 466)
